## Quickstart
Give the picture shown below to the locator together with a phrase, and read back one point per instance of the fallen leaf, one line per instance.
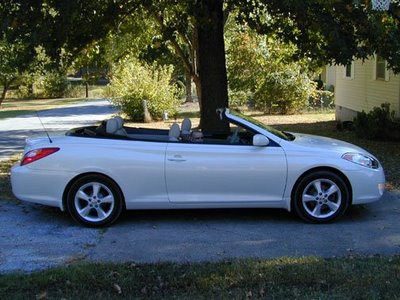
(144, 290)
(41, 295)
(118, 289)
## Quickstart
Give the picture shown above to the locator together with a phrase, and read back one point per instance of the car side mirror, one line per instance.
(260, 140)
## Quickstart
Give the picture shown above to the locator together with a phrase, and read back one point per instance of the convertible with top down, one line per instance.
(96, 172)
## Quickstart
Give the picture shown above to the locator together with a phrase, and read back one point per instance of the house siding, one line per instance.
(363, 92)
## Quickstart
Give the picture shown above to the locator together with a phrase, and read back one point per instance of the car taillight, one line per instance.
(37, 154)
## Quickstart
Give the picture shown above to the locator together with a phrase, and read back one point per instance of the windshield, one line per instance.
(278, 133)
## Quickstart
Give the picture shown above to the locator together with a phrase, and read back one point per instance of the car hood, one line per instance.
(317, 143)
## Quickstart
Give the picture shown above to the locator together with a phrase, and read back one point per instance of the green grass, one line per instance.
(282, 278)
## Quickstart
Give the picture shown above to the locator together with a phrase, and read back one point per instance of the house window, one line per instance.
(348, 71)
(381, 72)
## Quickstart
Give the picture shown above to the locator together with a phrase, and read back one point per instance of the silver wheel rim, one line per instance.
(94, 202)
(321, 198)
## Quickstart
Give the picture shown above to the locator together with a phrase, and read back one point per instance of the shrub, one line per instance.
(284, 91)
(133, 82)
(24, 92)
(263, 70)
(238, 99)
(55, 85)
(379, 123)
(322, 99)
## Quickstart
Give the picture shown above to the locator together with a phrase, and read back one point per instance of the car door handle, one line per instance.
(177, 158)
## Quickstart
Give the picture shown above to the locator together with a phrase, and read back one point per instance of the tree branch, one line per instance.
(179, 51)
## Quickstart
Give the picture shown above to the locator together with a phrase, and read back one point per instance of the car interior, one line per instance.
(114, 128)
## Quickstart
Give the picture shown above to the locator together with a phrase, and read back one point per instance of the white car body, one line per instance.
(181, 175)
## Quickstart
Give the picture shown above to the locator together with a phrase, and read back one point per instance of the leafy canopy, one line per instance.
(328, 31)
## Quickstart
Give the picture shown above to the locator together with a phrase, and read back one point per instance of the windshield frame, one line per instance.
(272, 130)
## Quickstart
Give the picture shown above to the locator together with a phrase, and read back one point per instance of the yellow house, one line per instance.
(363, 86)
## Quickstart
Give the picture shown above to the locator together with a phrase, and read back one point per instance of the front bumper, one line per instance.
(367, 186)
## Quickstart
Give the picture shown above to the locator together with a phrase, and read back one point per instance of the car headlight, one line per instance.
(362, 159)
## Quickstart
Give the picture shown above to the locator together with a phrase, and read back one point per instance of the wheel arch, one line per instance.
(71, 182)
(318, 169)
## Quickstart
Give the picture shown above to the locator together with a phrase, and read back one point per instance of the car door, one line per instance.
(224, 173)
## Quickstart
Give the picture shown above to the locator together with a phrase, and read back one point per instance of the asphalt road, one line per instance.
(35, 237)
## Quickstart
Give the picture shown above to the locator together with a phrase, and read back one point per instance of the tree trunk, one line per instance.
(4, 93)
(197, 82)
(188, 85)
(212, 68)
(3, 96)
(86, 89)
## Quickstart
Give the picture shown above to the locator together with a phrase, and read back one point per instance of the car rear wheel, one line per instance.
(94, 201)
(321, 197)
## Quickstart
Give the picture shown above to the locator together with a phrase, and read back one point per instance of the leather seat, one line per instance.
(115, 126)
(186, 126)
(174, 132)
(120, 130)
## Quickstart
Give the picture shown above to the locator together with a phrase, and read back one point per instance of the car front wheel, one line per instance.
(94, 201)
(321, 197)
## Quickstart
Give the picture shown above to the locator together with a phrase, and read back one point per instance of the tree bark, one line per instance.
(188, 85)
(6, 86)
(3, 95)
(212, 67)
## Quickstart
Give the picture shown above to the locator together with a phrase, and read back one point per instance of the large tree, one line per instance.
(329, 31)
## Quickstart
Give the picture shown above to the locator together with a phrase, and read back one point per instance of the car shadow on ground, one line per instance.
(356, 213)
(248, 215)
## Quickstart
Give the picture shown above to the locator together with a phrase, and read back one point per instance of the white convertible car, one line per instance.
(94, 173)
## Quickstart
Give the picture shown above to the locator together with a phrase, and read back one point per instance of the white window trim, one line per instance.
(387, 77)
(351, 77)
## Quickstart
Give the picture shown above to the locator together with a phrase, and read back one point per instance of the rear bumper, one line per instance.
(38, 186)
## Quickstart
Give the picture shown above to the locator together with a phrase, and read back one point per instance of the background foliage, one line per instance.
(380, 123)
(261, 71)
(132, 82)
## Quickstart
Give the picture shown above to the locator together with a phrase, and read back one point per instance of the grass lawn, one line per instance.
(282, 278)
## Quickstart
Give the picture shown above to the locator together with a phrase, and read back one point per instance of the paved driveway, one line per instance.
(34, 237)
(14, 131)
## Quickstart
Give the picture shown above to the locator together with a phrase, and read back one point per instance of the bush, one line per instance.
(55, 85)
(263, 70)
(238, 99)
(322, 99)
(379, 123)
(285, 91)
(132, 82)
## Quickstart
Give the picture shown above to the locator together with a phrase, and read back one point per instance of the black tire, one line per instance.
(321, 197)
(94, 201)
